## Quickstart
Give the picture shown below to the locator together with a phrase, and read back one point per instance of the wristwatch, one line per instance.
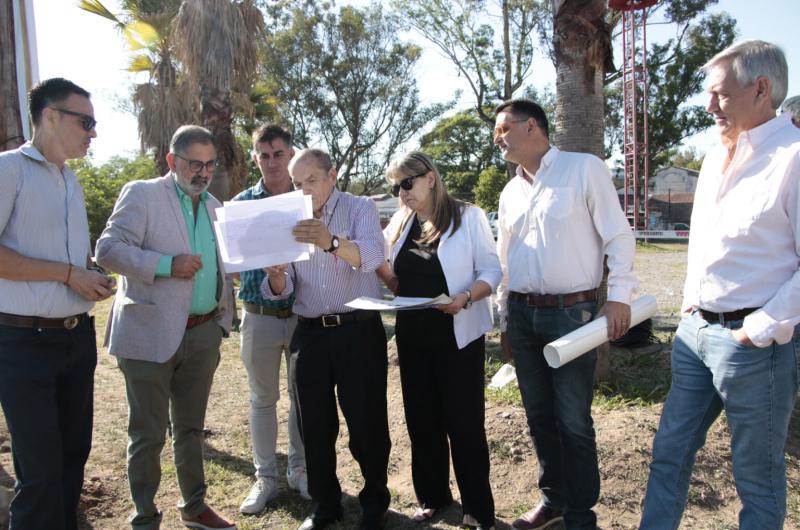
(334, 244)
(469, 299)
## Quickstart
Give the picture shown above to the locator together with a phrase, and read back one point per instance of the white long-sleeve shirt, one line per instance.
(744, 248)
(554, 231)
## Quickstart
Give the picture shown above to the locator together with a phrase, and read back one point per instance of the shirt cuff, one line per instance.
(164, 267)
(620, 294)
(762, 329)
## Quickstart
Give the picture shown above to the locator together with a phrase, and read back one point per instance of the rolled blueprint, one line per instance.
(585, 338)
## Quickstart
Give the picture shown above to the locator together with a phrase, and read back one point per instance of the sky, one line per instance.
(88, 50)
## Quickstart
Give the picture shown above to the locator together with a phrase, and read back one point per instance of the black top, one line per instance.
(419, 273)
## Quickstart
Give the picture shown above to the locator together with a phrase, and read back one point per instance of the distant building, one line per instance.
(675, 180)
(387, 205)
(671, 198)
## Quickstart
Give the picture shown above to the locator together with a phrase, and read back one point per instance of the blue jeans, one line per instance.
(558, 405)
(756, 387)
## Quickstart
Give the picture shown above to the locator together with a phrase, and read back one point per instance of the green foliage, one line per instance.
(689, 158)
(461, 145)
(102, 183)
(343, 79)
(490, 184)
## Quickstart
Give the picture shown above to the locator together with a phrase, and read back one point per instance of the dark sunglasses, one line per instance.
(87, 122)
(407, 183)
(197, 165)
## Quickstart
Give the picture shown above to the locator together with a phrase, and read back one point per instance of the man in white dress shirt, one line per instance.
(733, 350)
(47, 340)
(558, 218)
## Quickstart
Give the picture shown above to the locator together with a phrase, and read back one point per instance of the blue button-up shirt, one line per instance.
(250, 281)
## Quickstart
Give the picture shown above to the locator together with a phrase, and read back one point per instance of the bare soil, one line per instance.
(626, 414)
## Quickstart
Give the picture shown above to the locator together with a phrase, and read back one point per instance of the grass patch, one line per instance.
(647, 247)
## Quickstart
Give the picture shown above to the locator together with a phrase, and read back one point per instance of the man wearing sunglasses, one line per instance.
(558, 218)
(47, 340)
(170, 313)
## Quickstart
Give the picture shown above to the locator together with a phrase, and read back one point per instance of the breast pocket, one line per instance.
(555, 203)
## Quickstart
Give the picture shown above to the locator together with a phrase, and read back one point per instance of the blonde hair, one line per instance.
(446, 209)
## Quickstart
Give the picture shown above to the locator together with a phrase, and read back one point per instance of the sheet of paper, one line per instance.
(256, 234)
(585, 338)
(399, 303)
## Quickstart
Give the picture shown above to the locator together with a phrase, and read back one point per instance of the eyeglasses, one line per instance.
(501, 129)
(407, 183)
(87, 122)
(197, 165)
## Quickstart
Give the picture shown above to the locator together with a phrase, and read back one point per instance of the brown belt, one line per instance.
(19, 321)
(713, 318)
(194, 321)
(338, 319)
(258, 309)
(554, 300)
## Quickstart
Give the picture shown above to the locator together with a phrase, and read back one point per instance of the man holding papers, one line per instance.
(340, 352)
(733, 350)
(267, 328)
(558, 217)
(173, 306)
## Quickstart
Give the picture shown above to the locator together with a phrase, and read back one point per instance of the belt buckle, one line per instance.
(71, 322)
(331, 321)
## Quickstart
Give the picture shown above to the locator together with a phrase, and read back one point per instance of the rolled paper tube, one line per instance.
(585, 338)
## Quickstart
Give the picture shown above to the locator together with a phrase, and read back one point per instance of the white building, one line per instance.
(675, 180)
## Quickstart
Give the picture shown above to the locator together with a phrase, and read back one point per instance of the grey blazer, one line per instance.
(148, 317)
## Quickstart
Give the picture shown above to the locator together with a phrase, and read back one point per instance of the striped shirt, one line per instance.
(42, 216)
(323, 284)
(250, 281)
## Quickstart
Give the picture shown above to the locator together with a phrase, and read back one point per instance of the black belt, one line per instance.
(554, 300)
(194, 321)
(20, 321)
(259, 309)
(713, 318)
(337, 319)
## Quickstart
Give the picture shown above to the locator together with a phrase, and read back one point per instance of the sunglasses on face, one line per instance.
(407, 183)
(196, 166)
(87, 122)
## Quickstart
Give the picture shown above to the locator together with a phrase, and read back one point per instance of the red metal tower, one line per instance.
(634, 97)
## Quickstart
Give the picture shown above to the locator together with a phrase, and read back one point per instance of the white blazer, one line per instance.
(465, 256)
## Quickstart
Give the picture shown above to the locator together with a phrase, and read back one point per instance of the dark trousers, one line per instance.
(46, 385)
(444, 399)
(558, 404)
(348, 362)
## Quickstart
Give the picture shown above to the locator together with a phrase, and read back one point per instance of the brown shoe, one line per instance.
(207, 520)
(539, 518)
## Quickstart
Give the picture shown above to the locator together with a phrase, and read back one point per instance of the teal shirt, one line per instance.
(201, 239)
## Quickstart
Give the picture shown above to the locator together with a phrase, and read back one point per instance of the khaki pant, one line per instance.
(175, 392)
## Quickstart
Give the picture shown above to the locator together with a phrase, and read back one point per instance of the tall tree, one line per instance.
(495, 66)
(344, 79)
(164, 101)
(217, 42)
(10, 119)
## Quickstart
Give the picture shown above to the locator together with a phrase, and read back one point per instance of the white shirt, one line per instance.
(554, 231)
(42, 216)
(466, 256)
(744, 248)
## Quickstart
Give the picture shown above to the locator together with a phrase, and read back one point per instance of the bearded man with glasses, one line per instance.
(172, 309)
(47, 341)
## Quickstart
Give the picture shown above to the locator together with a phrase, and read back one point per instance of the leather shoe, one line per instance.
(539, 518)
(318, 522)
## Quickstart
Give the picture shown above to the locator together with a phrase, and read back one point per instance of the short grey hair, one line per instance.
(187, 135)
(792, 106)
(751, 59)
(318, 156)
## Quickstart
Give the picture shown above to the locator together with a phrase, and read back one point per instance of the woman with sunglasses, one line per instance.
(438, 244)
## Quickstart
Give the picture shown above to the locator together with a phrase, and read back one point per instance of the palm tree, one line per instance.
(217, 42)
(164, 102)
(10, 119)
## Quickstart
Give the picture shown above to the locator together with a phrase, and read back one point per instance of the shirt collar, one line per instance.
(29, 150)
(330, 204)
(758, 135)
(547, 161)
(182, 195)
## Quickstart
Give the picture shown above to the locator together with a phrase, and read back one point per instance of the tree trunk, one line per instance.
(10, 120)
(216, 114)
(582, 45)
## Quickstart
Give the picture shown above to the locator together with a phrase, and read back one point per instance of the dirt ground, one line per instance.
(626, 413)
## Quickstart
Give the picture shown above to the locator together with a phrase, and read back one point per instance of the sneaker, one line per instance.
(298, 480)
(263, 491)
(207, 520)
